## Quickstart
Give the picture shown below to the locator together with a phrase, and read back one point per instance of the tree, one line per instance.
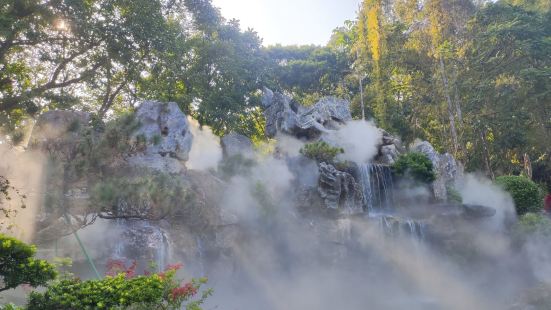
(6, 192)
(309, 72)
(61, 54)
(507, 100)
(415, 165)
(18, 265)
(369, 50)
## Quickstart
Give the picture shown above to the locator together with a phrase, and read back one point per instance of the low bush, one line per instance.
(533, 224)
(321, 151)
(526, 194)
(122, 291)
(415, 165)
(18, 265)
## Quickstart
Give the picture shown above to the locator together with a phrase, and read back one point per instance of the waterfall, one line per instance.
(200, 254)
(377, 186)
(392, 226)
(162, 251)
(141, 240)
(118, 251)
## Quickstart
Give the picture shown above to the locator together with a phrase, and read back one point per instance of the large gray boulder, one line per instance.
(390, 149)
(447, 169)
(234, 144)
(286, 116)
(165, 131)
(340, 190)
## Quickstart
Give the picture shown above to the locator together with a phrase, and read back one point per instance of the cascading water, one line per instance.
(141, 240)
(377, 186)
(393, 226)
(200, 255)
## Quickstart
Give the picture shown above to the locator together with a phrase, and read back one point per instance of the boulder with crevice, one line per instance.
(165, 132)
(339, 190)
(390, 149)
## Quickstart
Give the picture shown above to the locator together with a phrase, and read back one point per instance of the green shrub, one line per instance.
(18, 265)
(10, 307)
(321, 151)
(415, 165)
(526, 194)
(534, 224)
(453, 195)
(236, 165)
(147, 194)
(156, 291)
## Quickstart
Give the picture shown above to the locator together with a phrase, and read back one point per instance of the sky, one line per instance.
(290, 22)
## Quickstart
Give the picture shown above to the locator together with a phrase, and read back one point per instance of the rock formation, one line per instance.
(167, 136)
(340, 190)
(447, 169)
(234, 144)
(286, 116)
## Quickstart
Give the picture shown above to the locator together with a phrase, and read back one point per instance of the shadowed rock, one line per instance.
(339, 189)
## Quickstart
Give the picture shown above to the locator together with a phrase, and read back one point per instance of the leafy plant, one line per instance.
(123, 291)
(415, 165)
(143, 195)
(534, 224)
(6, 191)
(18, 265)
(321, 151)
(236, 165)
(454, 195)
(526, 194)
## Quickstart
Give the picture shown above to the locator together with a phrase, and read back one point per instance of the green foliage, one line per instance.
(321, 151)
(309, 72)
(157, 291)
(265, 201)
(146, 194)
(7, 211)
(415, 165)
(454, 195)
(236, 165)
(526, 194)
(18, 265)
(10, 307)
(534, 224)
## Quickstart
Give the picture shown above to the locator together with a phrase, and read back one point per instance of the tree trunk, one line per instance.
(451, 115)
(486, 153)
(527, 166)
